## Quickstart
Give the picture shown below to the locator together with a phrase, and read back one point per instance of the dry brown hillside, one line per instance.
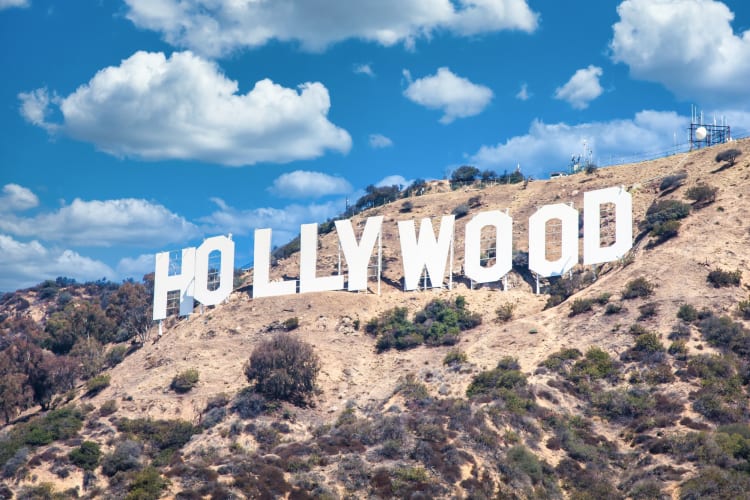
(640, 423)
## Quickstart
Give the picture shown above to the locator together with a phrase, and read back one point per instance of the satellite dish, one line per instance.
(700, 133)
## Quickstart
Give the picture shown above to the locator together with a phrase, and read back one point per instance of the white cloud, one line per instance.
(182, 107)
(379, 141)
(6, 4)
(15, 197)
(393, 180)
(26, 264)
(35, 108)
(364, 69)
(218, 27)
(285, 221)
(548, 147)
(104, 223)
(129, 267)
(688, 46)
(457, 97)
(305, 184)
(523, 94)
(582, 88)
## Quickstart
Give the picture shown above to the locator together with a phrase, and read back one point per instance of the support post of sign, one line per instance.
(424, 279)
(537, 283)
(380, 258)
(339, 258)
(160, 330)
(505, 283)
(450, 267)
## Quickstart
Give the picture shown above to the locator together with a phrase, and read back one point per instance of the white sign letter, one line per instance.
(425, 252)
(164, 283)
(225, 247)
(593, 253)
(503, 225)
(262, 287)
(308, 260)
(538, 262)
(358, 255)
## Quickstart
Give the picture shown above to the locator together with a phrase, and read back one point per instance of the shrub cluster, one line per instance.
(639, 287)
(702, 194)
(184, 381)
(439, 323)
(283, 367)
(721, 278)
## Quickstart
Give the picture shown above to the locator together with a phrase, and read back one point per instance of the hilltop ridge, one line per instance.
(608, 396)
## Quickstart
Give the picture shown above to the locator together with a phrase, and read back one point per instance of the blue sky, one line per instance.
(137, 126)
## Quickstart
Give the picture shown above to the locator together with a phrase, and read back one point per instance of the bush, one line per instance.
(688, 313)
(184, 381)
(108, 407)
(639, 287)
(672, 182)
(146, 485)
(455, 357)
(163, 436)
(283, 367)
(647, 311)
(406, 207)
(702, 194)
(664, 211)
(248, 403)
(504, 312)
(596, 365)
(721, 278)
(126, 456)
(613, 308)
(461, 210)
(116, 355)
(580, 306)
(744, 308)
(97, 384)
(86, 456)
(291, 324)
(725, 333)
(665, 231)
(557, 361)
(729, 156)
(506, 375)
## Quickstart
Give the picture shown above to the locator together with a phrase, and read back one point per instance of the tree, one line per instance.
(15, 394)
(283, 367)
(46, 373)
(729, 156)
(130, 311)
(464, 174)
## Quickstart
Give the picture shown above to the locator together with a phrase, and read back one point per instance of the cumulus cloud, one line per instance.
(26, 264)
(218, 27)
(6, 4)
(135, 268)
(393, 180)
(688, 46)
(16, 198)
(364, 69)
(182, 107)
(104, 223)
(523, 94)
(457, 97)
(285, 221)
(548, 147)
(305, 184)
(379, 141)
(582, 88)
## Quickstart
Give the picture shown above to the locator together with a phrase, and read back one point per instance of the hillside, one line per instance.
(583, 392)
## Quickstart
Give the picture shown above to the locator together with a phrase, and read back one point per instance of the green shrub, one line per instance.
(581, 306)
(108, 407)
(504, 312)
(702, 194)
(639, 287)
(86, 456)
(506, 375)
(728, 155)
(163, 436)
(439, 323)
(283, 367)
(558, 360)
(455, 357)
(713, 482)
(664, 211)
(596, 365)
(744, 308)
(672, 182)
(184, 381)
(721, 278)
(602, 298)
(664, 231)
(146, 484)
(688, 313)
(613, 308)
(647, 311)
(291, 324)
(116, 355)
(461, 210)
(97, 384)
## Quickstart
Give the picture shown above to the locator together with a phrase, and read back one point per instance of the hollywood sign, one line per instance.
(422, 254)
